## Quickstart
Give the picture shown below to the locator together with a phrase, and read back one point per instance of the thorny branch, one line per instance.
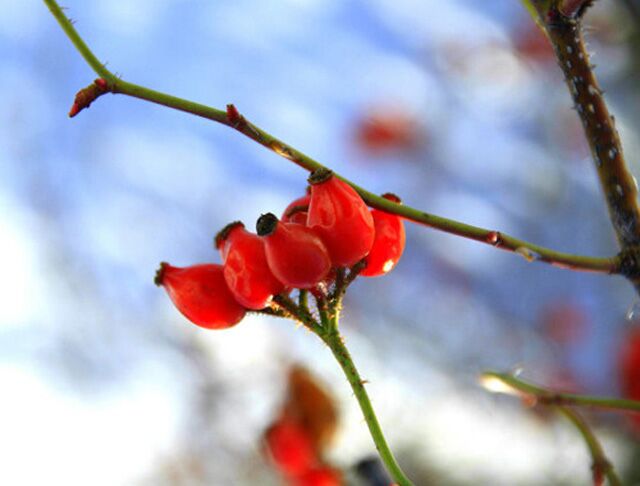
(232, 118)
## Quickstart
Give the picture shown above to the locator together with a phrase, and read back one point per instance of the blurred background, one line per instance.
(457, 106)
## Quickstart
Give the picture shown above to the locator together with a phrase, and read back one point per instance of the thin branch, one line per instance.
(297, 313)
(533, 394)
(88, 95)
(78, 42)
(507, 383)
(618, 185)
(336, 344)
(601, 467)
(232, 118)
(616, 181)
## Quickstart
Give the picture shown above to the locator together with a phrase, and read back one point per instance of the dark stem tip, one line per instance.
(319, 176)
(266, 224)
(159, 277)
(224, 233)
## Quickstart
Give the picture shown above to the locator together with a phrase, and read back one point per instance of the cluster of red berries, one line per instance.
(329, 228)
(295, 442)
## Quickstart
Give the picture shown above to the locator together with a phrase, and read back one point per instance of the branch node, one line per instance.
(629, 262)
(494, 238)
(234, 117)
(88, 95)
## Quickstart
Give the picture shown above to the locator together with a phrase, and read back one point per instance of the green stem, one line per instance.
(78, 42)
(600, 464)
(490, 237)
(336, 344)
(548, 397)
(507, 383)
(303, 300)
(239, 123)
(297, 313)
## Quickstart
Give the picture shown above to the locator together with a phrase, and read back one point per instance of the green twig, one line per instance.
(78, 42)
(303, 300)
(235, 120)
(274, 312)
(336, 344)
(297, 313)
(600, 465)
(508, 383)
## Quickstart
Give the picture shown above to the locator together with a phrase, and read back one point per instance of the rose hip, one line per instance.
(295, 254)
(340, 217)
(388, 244)
(246, 270)
(201, 294)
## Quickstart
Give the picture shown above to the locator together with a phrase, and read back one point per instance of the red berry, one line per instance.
(340, 217)
(629, 365)
(246, 270)
(321, 476)
(533, 44)
(295, 254)
(222, 241)
(388, 244)
(296, 212)
(290, 448)
(201, 294)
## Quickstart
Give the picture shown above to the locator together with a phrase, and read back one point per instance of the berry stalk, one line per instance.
(335, 342)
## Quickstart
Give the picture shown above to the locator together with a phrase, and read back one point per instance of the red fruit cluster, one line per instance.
(329, 228)
(295, 442)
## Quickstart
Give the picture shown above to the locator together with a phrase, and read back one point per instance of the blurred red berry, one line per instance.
(388, 244)
(532, 43)
(564, 322)
(201, 294)
(629, 365)
(311, 405)
(290, 448)
(340, 217)
(321, 476)
(386, 130)
(296, 255)
(629, 370)
(245, 268)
